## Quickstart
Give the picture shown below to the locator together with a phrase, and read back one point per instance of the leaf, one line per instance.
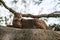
(0, 4)
(6, 19)
(10, 15)
(14, 1)
(37, 2)
(40, 0)
(23, 1)
(0, 17)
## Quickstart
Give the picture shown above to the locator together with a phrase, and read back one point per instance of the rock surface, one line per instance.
(7, 33)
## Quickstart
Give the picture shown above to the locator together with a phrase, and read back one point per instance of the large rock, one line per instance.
(7, 33)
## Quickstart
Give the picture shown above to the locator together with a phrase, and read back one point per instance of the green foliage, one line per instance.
(56, 26)
(1, 19)
(6, 19)
(10, 15)
(37, 2)
(23, 1)
(0, 3)
(14, 1)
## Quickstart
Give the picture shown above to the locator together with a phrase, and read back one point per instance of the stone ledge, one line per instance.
(7, 33)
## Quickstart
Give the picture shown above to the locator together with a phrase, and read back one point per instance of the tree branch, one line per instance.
(11, 10)
(29, 15)
(42, 15)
